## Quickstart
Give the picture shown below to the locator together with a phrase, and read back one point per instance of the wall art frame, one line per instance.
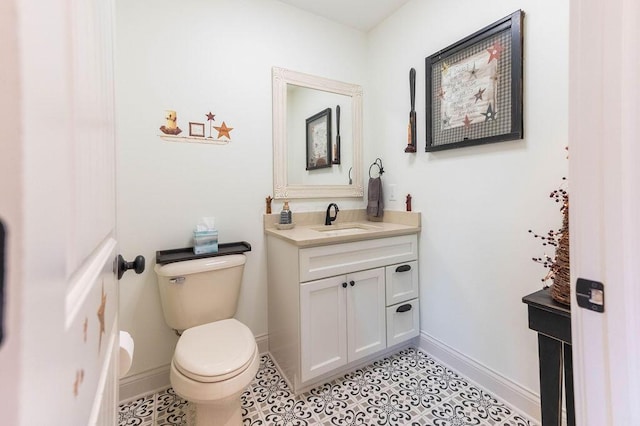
(474, 88)
(319, 140)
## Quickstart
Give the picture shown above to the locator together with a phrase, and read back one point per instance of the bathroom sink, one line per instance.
(345, 229)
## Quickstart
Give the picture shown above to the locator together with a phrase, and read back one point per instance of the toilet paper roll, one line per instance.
(126, 352)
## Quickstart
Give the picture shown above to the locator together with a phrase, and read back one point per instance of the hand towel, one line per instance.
(375, 206)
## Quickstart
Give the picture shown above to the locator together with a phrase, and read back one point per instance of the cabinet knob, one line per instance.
(344, 285)
(352, 283)
(403, 268)
(404, 308)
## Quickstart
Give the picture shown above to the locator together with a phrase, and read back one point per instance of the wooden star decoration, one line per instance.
(210, 117)
(478, 95)
(85, 326)
(441, 93)
(467, 122)
(494, 51)
(223, 130)
(490, 114)
(445, 68)
(101, 309)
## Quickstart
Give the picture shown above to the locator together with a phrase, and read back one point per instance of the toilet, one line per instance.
(216, 356)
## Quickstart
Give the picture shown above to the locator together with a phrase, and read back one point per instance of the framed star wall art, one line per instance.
(474, 88)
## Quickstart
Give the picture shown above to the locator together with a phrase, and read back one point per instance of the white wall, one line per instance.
(477, 202)
(194, 57)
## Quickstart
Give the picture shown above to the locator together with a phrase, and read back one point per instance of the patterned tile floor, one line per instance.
(408, 388)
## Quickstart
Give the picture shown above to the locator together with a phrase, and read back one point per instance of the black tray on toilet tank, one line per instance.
(178, 255)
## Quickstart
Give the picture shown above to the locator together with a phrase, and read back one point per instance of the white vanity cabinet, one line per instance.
(342, 319)
(334, 306)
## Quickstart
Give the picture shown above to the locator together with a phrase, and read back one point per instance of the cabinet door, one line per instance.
(366, 326)
(323, 326)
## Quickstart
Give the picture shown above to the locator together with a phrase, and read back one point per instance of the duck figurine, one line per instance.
(171, 126)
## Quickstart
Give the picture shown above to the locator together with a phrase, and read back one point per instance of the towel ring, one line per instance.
(377, 163)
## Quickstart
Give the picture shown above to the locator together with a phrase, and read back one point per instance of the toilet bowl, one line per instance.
(212, 365)
(216, 356)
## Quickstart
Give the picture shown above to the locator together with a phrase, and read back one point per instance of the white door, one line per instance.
(323, 326)
(366, 314)
(10, 216)
(68, 298)
(604, 181)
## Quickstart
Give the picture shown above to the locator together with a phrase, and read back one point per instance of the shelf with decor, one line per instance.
(194, 139)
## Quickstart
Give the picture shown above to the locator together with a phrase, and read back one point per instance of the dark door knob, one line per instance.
(352, 283)
(123, 266)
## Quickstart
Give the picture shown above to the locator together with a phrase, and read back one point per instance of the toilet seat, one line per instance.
(215, 351)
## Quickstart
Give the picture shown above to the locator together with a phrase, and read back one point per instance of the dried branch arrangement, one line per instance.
(558, 265)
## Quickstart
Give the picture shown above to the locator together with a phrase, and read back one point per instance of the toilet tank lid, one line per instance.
(200, 265)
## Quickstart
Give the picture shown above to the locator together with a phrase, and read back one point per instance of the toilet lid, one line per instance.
(215, 351)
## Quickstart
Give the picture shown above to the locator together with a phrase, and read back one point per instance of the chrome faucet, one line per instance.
(328, 218)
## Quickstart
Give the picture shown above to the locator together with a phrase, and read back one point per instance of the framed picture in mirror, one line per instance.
(319, 140)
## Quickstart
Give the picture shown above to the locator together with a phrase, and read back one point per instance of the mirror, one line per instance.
(305, 135)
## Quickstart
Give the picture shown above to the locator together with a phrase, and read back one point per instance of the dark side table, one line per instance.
(552, 321)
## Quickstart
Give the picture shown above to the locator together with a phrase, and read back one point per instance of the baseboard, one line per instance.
(514, 394)
(152, 381)
(263, 343)
(145, 383)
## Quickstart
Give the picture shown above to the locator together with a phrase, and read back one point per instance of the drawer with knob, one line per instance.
(403, 322)
(402, 282)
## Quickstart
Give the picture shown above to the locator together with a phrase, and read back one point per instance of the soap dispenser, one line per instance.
(285, 214)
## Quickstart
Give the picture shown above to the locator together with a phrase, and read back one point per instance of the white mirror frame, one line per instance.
(281, 187)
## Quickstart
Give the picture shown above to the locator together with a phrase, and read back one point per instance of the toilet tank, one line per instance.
(196, 292)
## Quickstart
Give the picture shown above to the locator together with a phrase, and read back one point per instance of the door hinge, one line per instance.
(590, 294)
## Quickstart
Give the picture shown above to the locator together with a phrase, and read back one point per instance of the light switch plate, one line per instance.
(392, 192)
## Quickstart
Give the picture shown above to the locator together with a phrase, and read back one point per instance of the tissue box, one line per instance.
(205, 241)
(206, 248)
(205, 237)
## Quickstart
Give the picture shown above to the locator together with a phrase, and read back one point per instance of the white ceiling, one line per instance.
(360, 14)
